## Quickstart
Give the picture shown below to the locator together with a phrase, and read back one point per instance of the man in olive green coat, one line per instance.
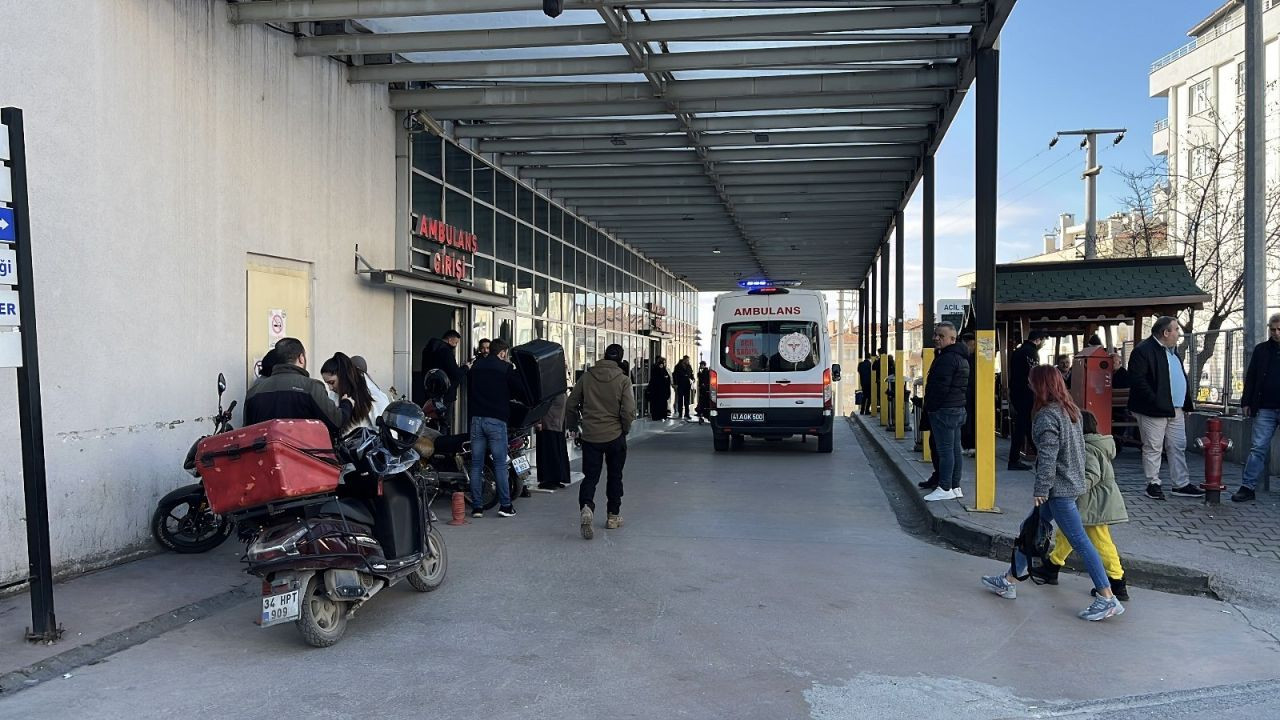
(602, 407)
(1100, 506)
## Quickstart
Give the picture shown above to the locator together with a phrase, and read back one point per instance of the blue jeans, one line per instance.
(1264, 426)
(945, 424)
(489, 437)
(1064, 513)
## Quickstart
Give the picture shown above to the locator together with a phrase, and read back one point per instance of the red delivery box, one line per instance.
(267, 462)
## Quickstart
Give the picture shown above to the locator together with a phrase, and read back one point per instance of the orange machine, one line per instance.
(1091, 384)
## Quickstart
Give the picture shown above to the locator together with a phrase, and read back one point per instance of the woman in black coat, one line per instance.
(660, 391)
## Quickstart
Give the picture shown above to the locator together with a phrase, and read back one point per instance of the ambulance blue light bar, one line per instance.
(758, 284)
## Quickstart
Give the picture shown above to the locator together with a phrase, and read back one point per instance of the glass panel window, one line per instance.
(524, 246)
(427, 197)
(457, 211)
(524, 292)
(427, 153)
(542, 253)
(555, 262)
(484, 273)
(555, 301)
(457, 167)
(483, 179)
(524, 204)
(557, 221)
(484, 229)
(1200, 98)
(506, 193)
(541, 296)
(773, 346)
(580, 269)
(543, 215)
(580, 239)
(504, 280)
(505, 239)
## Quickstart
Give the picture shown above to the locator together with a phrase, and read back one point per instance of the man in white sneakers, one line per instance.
(945, 398)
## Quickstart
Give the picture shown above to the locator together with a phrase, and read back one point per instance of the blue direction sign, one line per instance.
(6, 225)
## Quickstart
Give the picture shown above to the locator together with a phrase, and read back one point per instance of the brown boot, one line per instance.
(614, 522)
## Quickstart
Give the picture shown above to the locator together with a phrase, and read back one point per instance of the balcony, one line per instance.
(1160, 137)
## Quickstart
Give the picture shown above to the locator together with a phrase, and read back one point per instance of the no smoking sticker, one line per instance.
(277, 326)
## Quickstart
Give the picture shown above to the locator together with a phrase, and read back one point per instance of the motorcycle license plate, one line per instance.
(747, 417)
(520, 465)
(280, 608)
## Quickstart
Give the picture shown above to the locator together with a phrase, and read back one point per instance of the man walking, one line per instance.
(944, 400)
(602, 407)
(491, 384)
(864, 381)
(683, 377)
(1021, 399)
(1261, 400)
(1160, 397)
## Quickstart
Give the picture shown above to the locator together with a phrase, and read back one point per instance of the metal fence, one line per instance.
(1217, 372)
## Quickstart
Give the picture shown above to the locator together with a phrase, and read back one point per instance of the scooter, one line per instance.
(182, 521)
(322, 557)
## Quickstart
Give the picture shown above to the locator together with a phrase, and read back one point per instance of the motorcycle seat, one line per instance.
(352, 509)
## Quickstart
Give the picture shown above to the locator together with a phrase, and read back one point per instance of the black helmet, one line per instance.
(436, 383)
(400, 425)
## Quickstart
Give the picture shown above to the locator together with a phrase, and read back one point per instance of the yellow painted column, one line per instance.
(985, 425)
(881, 387)
(900, 398)
(926, 361)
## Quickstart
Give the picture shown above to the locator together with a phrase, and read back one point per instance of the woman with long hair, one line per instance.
(1060, 479)
(345, 380)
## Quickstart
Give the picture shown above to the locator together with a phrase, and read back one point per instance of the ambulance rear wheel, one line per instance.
(720, 441)
(737, 441)
(825, 443)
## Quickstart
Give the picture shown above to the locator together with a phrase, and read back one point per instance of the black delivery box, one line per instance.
(540, 368)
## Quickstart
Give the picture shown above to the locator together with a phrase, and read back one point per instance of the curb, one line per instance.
(974, 539)
(99, 650)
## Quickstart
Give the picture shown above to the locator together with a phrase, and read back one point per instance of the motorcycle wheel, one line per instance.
(323, 620)
(488, 488)
(184, 523)
(430, 574)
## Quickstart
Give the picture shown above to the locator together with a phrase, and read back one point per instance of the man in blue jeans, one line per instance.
(1261, 399)
(491, 383)
(945, 397)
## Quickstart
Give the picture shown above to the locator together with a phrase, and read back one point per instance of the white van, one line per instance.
(771, 370)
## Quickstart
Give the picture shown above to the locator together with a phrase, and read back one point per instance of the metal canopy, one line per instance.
(724, 139)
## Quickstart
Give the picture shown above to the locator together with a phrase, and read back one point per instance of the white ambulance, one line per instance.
(771, 369)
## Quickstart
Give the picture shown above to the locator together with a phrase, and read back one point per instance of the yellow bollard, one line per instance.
(881, 387)
(900, 399)
(926, 361)
(985, 426)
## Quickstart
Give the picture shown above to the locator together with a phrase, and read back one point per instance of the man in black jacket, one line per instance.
(1261, 400)
(1021, 399)
(291, 394)
(1160, 397)
(441, 353)
(491, 384)
(945, 398)
(864, 382)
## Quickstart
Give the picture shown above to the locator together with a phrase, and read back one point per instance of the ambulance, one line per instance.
(771, 369)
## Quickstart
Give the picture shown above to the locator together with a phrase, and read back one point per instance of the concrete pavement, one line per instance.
(773, 582)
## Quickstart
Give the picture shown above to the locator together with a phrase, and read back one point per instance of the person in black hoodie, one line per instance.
(491, 384)
(1261, 400)
(660, 391)
(945, 398)
(1021, 398)
(1160, 397)
(683, 377)
(442, 353)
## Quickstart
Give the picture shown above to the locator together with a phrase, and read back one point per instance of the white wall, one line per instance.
(164, 146)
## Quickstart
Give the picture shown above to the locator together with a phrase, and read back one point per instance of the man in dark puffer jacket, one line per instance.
(945, 398)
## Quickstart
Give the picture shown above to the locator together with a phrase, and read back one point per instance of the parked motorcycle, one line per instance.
(183, 521)
(322, 557)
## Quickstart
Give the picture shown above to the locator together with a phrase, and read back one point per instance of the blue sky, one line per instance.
(1063, 65)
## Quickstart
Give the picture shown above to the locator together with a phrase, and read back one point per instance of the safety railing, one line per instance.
(1214, 33)
(1161, 124)
(1215, 367)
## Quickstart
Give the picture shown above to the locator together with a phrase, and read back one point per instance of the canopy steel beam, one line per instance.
(661, 157)
(713, 28)
(834, 101)
(807, 55)
(781, 183)
(800, 201)
(622, 144)
(738, 87)
(730, 171)
(607, 128)
(798, 191)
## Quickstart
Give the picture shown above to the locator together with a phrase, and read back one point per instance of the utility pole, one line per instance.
(1255, 168)
(1091, 171)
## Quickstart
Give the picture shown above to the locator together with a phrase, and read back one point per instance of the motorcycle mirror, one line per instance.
(222, 383)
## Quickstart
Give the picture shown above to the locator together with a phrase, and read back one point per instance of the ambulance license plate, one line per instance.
(747, 417)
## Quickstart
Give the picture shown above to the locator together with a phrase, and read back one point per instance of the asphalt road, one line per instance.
(774, 582)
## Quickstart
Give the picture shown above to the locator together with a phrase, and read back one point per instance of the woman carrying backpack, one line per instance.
(1060, 479)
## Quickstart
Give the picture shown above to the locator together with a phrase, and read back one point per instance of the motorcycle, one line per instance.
(322, 557)
(183, 521)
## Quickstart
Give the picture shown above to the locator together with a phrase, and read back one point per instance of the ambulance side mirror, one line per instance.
(835, 372)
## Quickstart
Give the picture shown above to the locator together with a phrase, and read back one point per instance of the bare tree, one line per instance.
(1198, 211)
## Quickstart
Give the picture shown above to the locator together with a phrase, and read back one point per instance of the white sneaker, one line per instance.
(970, 453)
(958, 493)
(940, 494)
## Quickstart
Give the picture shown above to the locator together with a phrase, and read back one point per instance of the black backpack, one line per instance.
(1035, 541)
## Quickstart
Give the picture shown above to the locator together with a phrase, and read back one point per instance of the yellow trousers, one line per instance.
(1100, 536)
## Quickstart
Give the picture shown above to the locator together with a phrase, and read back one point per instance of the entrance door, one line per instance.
(430, 319)
(277, 305)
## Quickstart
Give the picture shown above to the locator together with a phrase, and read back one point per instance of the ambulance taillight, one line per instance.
(828, 397)
(715, 388)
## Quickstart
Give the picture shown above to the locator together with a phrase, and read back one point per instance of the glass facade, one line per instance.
(569, 281)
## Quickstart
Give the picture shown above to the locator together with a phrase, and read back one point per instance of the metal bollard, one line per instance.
(1214, 447)
(459, 509)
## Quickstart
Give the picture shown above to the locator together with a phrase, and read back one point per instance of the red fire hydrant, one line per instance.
(1214, 447)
